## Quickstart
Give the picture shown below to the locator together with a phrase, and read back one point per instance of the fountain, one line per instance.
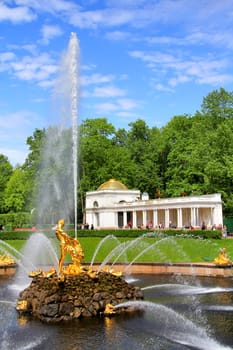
(176, 313)
(75, 291)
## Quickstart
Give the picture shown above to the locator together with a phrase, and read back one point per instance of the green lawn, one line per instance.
(148, 249)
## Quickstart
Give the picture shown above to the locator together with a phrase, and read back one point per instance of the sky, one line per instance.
(139, 59)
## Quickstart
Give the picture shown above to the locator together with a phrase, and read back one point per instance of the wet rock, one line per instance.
(53, 300)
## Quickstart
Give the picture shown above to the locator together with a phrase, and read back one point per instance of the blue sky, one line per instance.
(138, 59)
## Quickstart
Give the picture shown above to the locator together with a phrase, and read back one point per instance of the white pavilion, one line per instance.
(114, 206)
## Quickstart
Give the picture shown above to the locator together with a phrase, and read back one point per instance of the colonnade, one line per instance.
(168, 217)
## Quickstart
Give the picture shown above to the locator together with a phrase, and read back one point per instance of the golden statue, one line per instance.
(109, 310)
(223, 258)
(6, 260)
(71, 246)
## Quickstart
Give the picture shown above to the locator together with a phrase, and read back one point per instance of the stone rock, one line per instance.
(51, 299)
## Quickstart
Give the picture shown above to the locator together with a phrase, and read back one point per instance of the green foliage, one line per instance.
(12, 220)
(6, 171)
(17, 191)
(218, 103)
(203, 234)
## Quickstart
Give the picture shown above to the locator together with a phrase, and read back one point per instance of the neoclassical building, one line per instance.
(114, 206)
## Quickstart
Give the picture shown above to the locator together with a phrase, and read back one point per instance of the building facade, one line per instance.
(114, 206)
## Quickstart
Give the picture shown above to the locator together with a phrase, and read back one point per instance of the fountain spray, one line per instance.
(58, 176)
(74, 59)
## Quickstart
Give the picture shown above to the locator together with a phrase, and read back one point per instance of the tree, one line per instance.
(175, 155)
(32, 164)
(16, 192)
(218, 103)
(95, 140)
(6, 171)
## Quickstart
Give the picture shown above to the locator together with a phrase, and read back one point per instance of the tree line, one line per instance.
(190, 155)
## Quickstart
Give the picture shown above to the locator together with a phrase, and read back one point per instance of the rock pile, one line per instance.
(52, 299)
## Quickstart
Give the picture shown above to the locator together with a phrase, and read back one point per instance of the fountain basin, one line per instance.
(198, 269)
(8, 270)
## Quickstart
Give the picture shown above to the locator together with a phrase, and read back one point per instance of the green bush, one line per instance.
(204, 234)
(12, 220)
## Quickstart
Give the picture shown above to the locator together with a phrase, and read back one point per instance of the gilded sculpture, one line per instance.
(6, 260)
(71, 246)
(223, 258)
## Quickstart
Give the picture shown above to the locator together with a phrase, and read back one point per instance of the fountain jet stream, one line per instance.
(129, 245)
(174, 326)
(101, 243)
(144, 251)
(57, 194)
(19, 258)
(74, 53)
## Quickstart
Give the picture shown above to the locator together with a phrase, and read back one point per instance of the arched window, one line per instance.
(95, 204)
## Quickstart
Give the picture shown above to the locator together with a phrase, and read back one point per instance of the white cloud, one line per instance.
(15, 155)
(15, 127)
(127, 104)
(18, 121)
(104, 18)
(161, 87)
(108, 91)
(6, 56)
(106, 107)
(5, 59)
(39, 68)
(119, 106)
(118, 35)
(51, 6)
(16, 14)
(96, 79)
(49, 32)
(180, 68)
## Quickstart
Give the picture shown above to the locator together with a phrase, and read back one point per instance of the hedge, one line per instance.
(204, 234)
(12, 220)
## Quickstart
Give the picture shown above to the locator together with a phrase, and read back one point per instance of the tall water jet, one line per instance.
(58, 175)
(74, 53)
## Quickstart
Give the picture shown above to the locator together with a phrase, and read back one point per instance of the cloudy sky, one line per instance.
(138, 59)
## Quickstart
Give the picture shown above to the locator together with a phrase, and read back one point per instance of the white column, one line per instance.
(155, 218)
(134, 218)
(144, 218)
(166, 218)
(116, 219)
(124, 218)
(179, 218)
(197, 217)
(192, 216)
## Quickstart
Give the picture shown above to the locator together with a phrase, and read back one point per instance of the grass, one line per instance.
(147, 249)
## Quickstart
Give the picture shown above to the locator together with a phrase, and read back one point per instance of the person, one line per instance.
(203, 225)
(224, 231)
(149, 225)
(160, 225)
